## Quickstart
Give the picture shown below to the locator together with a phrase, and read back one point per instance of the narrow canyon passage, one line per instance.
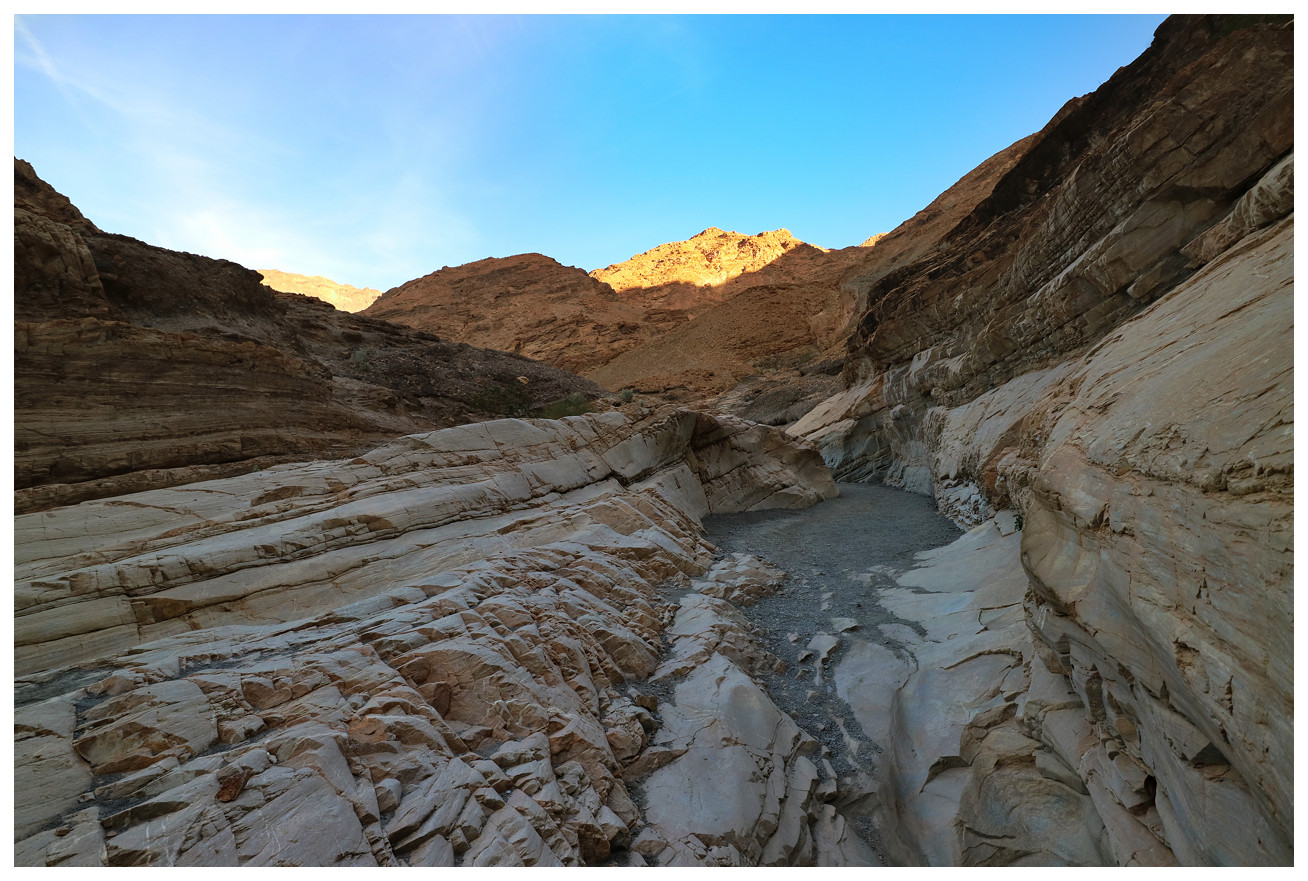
(838, 556)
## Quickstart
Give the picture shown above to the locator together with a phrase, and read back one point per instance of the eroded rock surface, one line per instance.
(529, 304)
(433, 654)
(1104, 344)
(116, 341)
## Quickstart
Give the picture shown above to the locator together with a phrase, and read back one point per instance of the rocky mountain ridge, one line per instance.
(345, 297)
(1104, 344)
(528, 304)
(680, 321)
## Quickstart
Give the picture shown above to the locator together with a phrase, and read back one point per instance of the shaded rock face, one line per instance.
(1104, 344)
(345, 297)
(681, 321)
(528, 303)
(769, 344)
(446, 651)
(116, 341)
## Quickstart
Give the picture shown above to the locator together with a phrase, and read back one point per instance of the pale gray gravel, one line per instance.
(837, 555)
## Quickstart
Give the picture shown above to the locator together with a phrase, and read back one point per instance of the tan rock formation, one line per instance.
(774, 319)
(1105, 344)
(345, 297)
(116, 341)
(688, 274)
(428, 655)
(529, 304)
(681, 321)
(770, 348)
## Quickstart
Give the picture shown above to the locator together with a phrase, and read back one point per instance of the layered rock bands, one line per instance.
(1105, 346)
(477, 646)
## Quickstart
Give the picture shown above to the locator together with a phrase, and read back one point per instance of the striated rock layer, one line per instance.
(137, 367)
(447, 651)
(773, 347)
(1104, 344)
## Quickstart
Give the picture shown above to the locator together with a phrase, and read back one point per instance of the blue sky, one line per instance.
(374, 150)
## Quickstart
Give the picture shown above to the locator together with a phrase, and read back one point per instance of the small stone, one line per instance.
(231, 781)
(389, 792)
(63, 830)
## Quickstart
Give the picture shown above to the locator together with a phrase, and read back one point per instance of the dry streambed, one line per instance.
(835, 560)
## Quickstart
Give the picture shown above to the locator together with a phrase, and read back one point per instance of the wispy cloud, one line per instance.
(38, 59)
(216, 177)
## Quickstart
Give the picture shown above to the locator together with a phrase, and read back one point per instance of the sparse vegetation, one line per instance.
(502, 400)
(575, 404)
(627, 394)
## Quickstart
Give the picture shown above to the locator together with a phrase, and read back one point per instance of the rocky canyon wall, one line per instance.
(481, 646)
(138, 367)
(1105, 345)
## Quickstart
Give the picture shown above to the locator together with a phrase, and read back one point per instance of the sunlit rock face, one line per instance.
(681, 320)
(432, 654)
(345, 297)
(1104, 345)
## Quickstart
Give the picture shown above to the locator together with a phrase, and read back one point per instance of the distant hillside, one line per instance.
(343, 296)
(529, 304)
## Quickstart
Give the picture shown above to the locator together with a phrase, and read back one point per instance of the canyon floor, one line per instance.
(837, 557)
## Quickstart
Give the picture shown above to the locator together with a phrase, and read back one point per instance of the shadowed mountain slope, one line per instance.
(137, 367)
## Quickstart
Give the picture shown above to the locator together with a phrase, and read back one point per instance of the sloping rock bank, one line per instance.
(1105, 345)
(136, 367)
(446, 651)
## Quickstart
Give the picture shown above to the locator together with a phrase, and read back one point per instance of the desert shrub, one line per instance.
(574, 404)
(627, 394)
(502, 400)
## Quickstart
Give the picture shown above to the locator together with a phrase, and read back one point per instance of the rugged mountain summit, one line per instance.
(1104, 343)
(607, 324)
(774, 348)
(688, 275)
(137, 367)
(345, 297)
